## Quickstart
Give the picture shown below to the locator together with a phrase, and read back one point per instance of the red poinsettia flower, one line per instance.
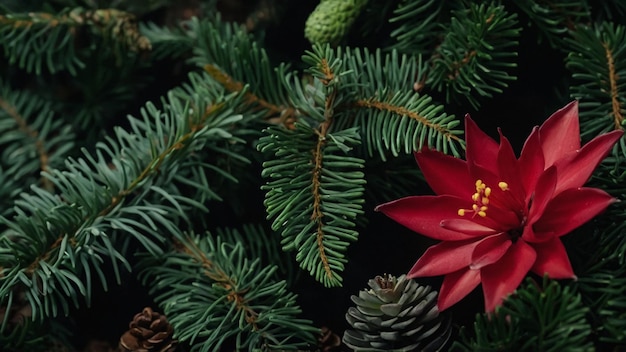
(499, 216)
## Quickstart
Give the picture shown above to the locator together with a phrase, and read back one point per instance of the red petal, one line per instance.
(445, 174)
(572, 208)
(552, 260)
(443, 258)
(560, 133)
(542, 194)
(509, 171)
(576, 168)
(530, 236)
(467, 227)
(503, 277)
(531, 162)
(480, 148)
(457, 285)
(423, 214)
(490, 250)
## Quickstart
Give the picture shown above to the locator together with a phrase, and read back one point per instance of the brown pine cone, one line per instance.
(327, 340)
(149, 331)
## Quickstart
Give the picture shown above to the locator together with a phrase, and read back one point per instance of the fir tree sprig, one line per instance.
(57, 242)
(47, 35)
(236, 57)
(602, 270)
(38, 41)
(261, 243)
(392, 118)
(314, 195)
(603, 290)
(32, 138)
(555, 19)
(537, 317)
(598, 64)
(175, 42)
(476, 55)
(416, 26)
(216, 297)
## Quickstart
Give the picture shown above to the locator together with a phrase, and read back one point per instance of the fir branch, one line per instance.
(390, 115)
(616, 105)
(273, 113)
(154, 166)
(223, 280)
(229, 48)
(555, 18)
(537, 317)
(313, 198)
(53, 36)
(315, 191)
(32, 138)
(118, 25)
(327, 78)
(176, 42)
(598, 66)
(405, 112)
(417, 28)
(603, 288)
(33, 336)
(261, 243)
(601, 269)
(475, 56)
(56, 242)
(32, 134)
(609, 10)
(216, 297)
(233, 58)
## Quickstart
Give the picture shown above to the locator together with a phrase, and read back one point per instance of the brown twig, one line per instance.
(215, 273)
(30, 132)
(322, 131)
(276, 114)
(618, 118)
(402, 111)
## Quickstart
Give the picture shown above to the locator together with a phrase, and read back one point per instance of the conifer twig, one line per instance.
(30, 132)
(318, 160)
(402, 111)
(215, 273)
(286, 114)
(618, 118)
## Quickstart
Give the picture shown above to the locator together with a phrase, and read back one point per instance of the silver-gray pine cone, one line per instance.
(396, 314)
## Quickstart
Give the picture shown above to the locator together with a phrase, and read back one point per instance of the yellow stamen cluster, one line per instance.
(481, 199)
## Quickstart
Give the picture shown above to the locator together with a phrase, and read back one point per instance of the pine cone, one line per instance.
(149, 331)
(396, 314)
(331, 20)
(327, 340)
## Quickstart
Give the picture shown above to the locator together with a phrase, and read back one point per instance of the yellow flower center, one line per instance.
(481, 199)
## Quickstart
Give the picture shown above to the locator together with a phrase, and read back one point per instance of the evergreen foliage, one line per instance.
(216, 296)
(90, 197)
(546, 317)
(598, 66)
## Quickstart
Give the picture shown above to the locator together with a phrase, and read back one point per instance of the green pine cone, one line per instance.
(331, 20)
(396, 314)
